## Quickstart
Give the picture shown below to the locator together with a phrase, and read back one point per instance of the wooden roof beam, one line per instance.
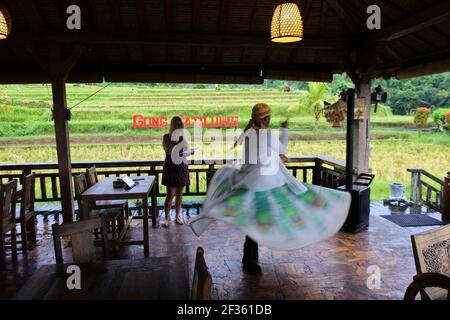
(432, 67)
(177, 39)
(425, 18)
(425, 64)
(347, 19)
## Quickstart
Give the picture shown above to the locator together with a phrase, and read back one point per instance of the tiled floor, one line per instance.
(333, 269)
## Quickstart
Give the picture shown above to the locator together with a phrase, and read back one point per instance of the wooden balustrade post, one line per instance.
(25, 172)
(317, 171)
(209, 174)
(445, 203)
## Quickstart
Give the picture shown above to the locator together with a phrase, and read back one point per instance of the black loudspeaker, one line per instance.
(358, 216)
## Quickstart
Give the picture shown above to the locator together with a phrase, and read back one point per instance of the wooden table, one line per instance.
(104, 190)
(141, 279)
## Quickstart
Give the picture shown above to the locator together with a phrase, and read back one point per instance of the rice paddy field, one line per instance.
(101, 128)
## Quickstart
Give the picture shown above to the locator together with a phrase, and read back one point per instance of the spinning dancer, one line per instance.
(262, 198)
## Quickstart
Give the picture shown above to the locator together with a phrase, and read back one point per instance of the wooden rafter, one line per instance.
(307, 9)
(126, 38)
(140, 12)
(357, 12)
(408, 45)
(393, 52)
(31, 13)
(62, 15)
(117, 22)
(323, 17)
(141, 9)
(387, 19)
(439, 32)
(249, 29)
(343, 15)
(413, 23)
(224, 11)
(426, 58)
(196, 7)
(168, 21)
(92, 24)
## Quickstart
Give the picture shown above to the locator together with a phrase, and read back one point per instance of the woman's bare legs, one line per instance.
(178, 203)
(171, 191)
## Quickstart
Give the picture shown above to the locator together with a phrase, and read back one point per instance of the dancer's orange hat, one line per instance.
(261, 110)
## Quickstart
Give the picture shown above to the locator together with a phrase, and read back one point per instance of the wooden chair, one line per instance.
(431, 254)
(83, 248)
(92, 178)
(113, 217)
(7, 220)
(202, 282)
(427, 281)
(26, 216)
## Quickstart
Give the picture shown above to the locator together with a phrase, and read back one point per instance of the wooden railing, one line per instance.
(426, 189)
(319, 170)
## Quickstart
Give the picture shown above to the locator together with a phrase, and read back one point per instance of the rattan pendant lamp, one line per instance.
(5, 22)
(287, 24)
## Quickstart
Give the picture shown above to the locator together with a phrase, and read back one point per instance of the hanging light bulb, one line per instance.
(287, 24)
(5, 23)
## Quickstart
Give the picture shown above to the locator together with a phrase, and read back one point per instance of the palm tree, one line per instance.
(318, 93)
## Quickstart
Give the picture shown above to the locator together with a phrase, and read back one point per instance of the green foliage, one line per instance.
(439, 117)
(421, 117)
(314, 99)
(24, 108)
(340, 83)
(382, 111)
(404, 96)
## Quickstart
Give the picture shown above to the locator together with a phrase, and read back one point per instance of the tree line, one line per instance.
(404, 96)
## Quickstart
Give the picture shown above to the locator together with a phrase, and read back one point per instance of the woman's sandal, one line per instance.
(165, 224)
(179, 221)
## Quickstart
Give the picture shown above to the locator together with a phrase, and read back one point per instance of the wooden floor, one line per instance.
(332, 269)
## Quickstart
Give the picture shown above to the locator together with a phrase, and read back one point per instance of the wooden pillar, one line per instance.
(361, 141)
(361, 62)
(57, 61)
(63, 147)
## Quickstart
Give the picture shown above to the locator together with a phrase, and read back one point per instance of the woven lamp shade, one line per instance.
(5, 23)
(287, 24)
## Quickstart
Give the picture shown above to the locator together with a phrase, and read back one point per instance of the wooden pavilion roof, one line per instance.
(220, 41)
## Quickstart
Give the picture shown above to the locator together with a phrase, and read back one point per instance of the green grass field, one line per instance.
(25, 114)
(25, 110)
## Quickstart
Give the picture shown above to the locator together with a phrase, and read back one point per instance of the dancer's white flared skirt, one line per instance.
(288, 216)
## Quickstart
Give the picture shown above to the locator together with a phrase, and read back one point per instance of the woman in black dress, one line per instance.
(175, 176)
